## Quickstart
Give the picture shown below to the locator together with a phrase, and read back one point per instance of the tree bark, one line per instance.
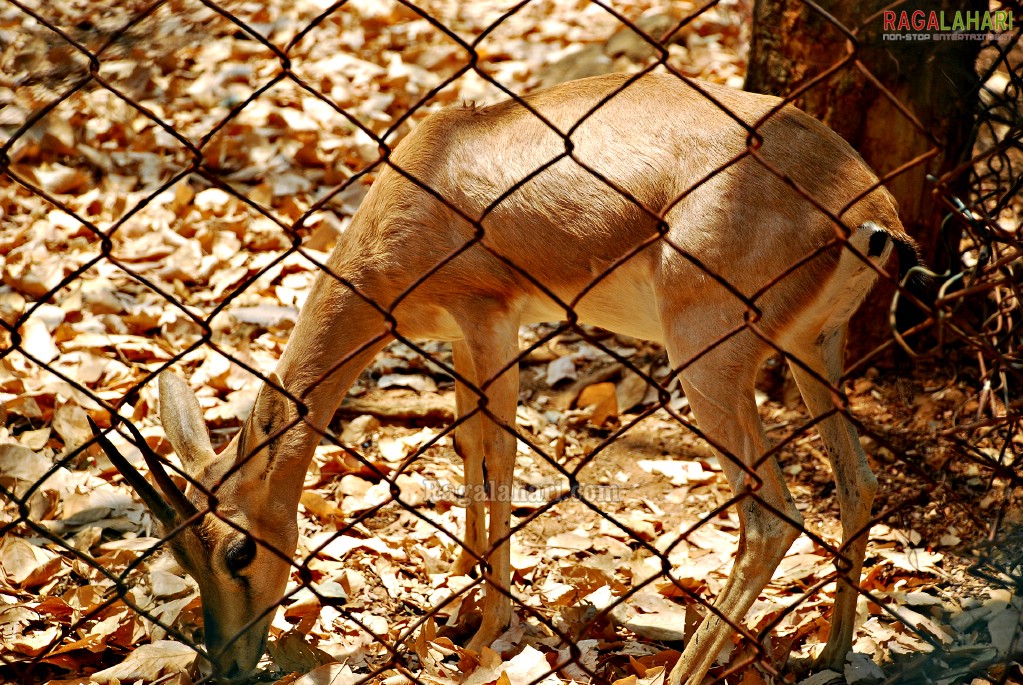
(936, 81)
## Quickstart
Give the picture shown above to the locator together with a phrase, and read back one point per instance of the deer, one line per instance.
(725, 225)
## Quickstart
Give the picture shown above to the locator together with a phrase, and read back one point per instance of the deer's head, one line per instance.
(230, 528)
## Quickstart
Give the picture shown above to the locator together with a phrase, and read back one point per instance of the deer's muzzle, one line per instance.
(233, 653)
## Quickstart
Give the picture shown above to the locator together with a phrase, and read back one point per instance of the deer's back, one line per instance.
(657, 157)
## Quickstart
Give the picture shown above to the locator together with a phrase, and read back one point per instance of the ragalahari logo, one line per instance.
(941, 25)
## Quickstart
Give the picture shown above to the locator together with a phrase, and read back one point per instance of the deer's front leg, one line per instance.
(469, 446)
(491, 338)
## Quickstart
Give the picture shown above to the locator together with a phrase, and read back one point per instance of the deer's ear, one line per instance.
(262, 430)
(183, 422)
(270, 410)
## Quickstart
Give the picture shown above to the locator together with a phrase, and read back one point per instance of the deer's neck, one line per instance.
(336, 336)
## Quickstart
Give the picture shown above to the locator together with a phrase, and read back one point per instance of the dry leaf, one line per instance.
(330, 674)
(35, 642)
(562, 368)
(821, 678)
(568, 543)
(680, 472)
(602, 397)
(914, 560)
(27, 565)
(148, 663)
(37, 341)
(860, 668)
(527, 667)
(631, 390)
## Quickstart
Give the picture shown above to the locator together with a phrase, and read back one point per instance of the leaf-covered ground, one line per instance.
(196, 152)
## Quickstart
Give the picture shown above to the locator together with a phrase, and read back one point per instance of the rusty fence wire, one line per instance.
(128, 132)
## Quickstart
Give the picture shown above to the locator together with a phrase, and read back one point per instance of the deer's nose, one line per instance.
(238, 661)
(227, 671)
(236, 673)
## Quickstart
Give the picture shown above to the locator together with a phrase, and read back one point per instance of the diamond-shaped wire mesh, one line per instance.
(175, 176)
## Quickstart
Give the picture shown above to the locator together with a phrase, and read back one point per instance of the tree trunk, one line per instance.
(936, 81)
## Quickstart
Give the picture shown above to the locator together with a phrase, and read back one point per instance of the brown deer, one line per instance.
(720, 223)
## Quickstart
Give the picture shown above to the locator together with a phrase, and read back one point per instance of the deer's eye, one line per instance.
(240, 554)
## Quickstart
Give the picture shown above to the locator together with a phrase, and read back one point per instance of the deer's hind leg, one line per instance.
(719, 387)
(855, 482)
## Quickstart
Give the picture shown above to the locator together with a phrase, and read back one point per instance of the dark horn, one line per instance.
(175, 496)
(163, 512)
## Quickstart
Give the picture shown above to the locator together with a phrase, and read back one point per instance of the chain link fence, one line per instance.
(174, 175)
